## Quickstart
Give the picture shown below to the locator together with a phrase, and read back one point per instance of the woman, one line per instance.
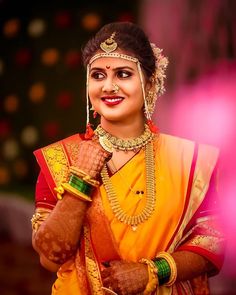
(125, 209)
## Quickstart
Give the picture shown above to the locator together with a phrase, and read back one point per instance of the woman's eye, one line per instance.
(123, 74)
(97, 75)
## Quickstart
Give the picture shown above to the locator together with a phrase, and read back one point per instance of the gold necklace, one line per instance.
(109, 141)
(120, 214)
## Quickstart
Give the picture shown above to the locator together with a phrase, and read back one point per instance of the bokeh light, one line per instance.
(4, 175)
(23, 57)
(37, 92)
(51, 129)
(5, 128)
(36, 27)
(11, 103)
(50, 56)
(72, 59)
(10, 149)
(11, 27)
(91, 21)
(64, 100)
(29, 136)
(20, 168)
(63, 19)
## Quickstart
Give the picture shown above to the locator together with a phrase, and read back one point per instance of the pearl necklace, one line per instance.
(120, 214)
(109, 141)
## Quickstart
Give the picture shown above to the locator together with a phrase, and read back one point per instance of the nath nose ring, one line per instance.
(116, 88)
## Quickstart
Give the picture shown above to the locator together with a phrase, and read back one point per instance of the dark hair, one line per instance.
(130, 38)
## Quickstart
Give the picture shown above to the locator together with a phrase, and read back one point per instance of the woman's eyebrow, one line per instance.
(114, 69)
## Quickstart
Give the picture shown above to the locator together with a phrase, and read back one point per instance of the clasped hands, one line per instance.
(124, 277)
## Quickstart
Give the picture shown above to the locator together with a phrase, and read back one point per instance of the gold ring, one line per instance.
(109, 290)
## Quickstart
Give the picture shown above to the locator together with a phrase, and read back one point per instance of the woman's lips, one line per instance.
(112, 100)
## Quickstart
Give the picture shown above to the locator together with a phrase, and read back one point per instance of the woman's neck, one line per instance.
(123, 130)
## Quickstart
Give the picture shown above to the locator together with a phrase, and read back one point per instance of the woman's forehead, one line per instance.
(113, 62)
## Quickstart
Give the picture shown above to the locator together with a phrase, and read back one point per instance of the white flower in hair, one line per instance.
(157, 79)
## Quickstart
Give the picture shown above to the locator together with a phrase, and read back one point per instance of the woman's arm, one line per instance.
(121, 276)
(57, 238)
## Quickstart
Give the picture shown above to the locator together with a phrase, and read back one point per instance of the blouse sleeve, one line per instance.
(44, 198)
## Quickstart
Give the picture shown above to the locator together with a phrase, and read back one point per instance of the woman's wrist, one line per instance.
(166, 268)
(162, 270)
(79, 185)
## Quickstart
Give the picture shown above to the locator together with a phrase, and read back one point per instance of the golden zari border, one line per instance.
(212, 244)
(206, 161)
(93, 272)
(57, 161)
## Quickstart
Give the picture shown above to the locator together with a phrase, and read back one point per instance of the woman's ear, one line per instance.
(148, 86)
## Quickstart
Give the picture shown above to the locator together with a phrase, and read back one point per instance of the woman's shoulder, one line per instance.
(77, 137)
(67, 142)
(176, 144)
(170, 139)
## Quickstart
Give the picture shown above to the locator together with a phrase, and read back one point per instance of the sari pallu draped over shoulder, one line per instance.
(182, 219)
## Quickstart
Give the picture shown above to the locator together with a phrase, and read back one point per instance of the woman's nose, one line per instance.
(108, 86)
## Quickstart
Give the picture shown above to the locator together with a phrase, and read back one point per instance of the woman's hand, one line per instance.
(125, 278)
(92, 157)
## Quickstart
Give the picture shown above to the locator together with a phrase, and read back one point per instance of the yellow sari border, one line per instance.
(92, 268)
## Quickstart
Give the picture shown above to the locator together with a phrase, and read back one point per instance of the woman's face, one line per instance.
(127, 104)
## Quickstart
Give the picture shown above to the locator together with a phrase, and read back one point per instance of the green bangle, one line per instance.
(164, 270)
(80, 185)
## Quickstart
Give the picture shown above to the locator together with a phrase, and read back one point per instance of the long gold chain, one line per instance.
(120, 214)
(124, 144)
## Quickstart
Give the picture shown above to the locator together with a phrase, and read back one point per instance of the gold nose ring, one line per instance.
(116, 88)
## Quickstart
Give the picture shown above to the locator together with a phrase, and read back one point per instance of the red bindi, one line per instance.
(108, 67)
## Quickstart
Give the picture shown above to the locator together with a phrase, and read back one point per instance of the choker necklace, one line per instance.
(120, 214)
(109, 141)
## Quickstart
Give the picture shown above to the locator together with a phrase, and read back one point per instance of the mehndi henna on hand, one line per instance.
(57, 238)
(125, 278)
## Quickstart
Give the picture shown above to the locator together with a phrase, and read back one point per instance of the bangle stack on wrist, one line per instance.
(79, 185)
(162, 271)
(167, 271)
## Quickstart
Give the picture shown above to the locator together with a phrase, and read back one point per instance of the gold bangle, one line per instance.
(152, 276)
(173, 268)
(67, 187)
(85, 177)
(75, 192)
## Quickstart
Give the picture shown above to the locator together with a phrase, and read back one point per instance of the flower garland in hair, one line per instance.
(157, 78)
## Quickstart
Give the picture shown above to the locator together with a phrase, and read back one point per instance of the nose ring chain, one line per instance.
(116, 88)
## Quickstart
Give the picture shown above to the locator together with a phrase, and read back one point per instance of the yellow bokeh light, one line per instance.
(37, 92)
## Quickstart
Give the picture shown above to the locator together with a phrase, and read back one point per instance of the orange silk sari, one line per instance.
(183, 176)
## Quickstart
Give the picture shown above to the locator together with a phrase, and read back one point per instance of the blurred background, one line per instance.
(42, 99)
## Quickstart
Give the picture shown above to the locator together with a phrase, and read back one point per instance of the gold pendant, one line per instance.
(134, 227)
(106, 144)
